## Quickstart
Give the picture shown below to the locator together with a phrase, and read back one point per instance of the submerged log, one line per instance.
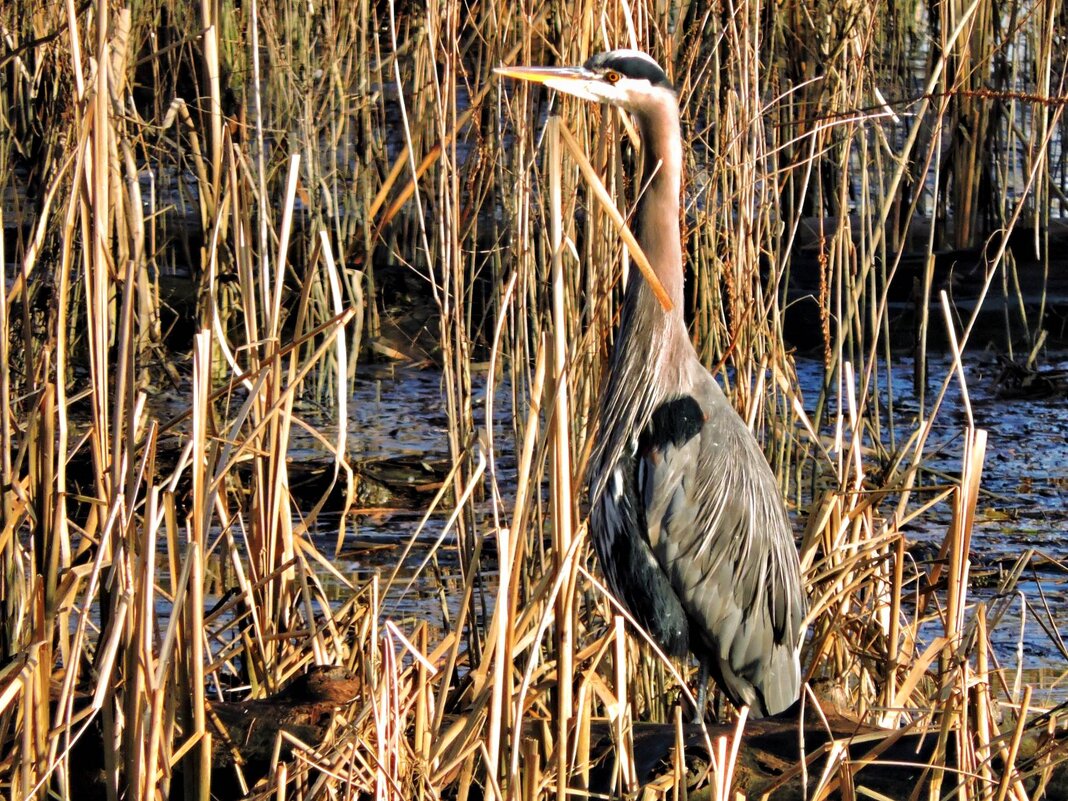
(783, 759)
(773, 751)
(246, 733)
(1025, 382)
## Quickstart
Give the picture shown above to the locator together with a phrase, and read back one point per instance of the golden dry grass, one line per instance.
(299, 148)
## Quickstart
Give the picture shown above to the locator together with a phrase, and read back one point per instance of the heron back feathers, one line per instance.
(702, 501)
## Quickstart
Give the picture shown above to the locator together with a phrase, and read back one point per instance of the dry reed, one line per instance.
(290, 155)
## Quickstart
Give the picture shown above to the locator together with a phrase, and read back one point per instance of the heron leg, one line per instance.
(702, 692)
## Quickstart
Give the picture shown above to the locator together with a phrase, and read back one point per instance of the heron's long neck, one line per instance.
(658, 211)
(652, 346)
(650, 337)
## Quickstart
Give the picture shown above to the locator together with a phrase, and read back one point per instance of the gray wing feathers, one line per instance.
(717, 525)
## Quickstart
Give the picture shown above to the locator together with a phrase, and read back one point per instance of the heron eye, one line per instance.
(612, 77)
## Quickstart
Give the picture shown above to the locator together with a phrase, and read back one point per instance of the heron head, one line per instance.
(628, 79)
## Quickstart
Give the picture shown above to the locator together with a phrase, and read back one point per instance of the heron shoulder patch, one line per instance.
(674, 422)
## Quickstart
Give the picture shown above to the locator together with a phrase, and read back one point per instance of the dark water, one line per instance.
(1021, 512)
(1021, 515)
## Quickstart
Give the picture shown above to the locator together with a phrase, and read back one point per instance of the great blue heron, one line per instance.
(686, 516)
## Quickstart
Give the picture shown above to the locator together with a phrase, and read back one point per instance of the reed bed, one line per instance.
(157, 566)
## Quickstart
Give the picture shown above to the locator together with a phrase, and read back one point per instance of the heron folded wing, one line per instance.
(716, 523)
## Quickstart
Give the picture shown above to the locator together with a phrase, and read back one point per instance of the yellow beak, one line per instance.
(544, 74)
(576, 81)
